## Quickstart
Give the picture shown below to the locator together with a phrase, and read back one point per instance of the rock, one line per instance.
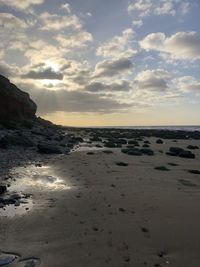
(16, 140)
(46, 148)
(145, 145)
(123, 164)
(176, 150)
(162, 168)
(194, 171)
(15, 105)
(133, 142)
(192, 147)
(107, 151)
(159, 141)
(3, 189)
(147, 151)
(110, 144)
(187, 154)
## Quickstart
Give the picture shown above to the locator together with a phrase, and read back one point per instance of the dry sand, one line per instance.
(109, 215)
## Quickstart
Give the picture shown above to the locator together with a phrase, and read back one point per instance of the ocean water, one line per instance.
(190, 128)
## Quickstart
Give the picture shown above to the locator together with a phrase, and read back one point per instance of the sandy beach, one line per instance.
(88, 211)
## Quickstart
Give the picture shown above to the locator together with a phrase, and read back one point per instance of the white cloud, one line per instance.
(166, 8)
(20, 4)
(10, 22)
(55, 22)
(138, 23)
(78, 39)
(66, 7)
(117, 45)
(188, 84)
(159, 7)
(181, 45)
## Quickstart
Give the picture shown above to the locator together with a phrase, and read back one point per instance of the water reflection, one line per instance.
(40, 177)
(26, 182)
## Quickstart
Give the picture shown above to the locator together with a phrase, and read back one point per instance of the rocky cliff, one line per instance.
(15, 105)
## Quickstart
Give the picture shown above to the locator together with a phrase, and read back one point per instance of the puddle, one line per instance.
(84, 147)
(33, 177)
(6, 258)
(28, 180)
(12, 210)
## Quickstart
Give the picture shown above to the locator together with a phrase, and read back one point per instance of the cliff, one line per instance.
(15, 105)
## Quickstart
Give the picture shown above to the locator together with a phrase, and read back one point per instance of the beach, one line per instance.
(93, 211)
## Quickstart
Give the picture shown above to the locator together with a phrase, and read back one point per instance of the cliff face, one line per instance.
(15, 105)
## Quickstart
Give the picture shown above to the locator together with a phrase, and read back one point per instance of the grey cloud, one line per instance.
(117, 86)
(42, 74)
(50, 101)
(109, 68)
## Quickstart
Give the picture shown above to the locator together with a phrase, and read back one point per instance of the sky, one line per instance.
(105, 62)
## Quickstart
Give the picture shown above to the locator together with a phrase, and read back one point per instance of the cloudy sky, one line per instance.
(105, 62)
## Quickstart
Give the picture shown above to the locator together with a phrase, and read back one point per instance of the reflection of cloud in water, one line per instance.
(40, 177)
(12, 210)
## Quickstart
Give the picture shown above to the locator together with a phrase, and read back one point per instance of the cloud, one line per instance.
(20, 4)
(9, 22)
(142, 6)
(55, 22)
(50, 101)
(166, 8)
(79, 39)
(153, 80)
(181, 45)
(154, 7)
(110, 68)
(118, 86)
(66, 7)
(42, 74)
(117, 45)
(138, 23)
(188, 84)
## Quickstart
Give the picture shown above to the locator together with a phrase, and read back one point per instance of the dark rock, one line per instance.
(107, 151)
(159, 141)
(176, 150)
(162, 168)
(3, 189)
(187, 154)
(133, 142)
(110, 144)
(194, 171)
(15, 105)
(145, 145)
(192, 147)
(122, 141)
(16, 140)
(123, 164)
(46, 148)
(147, 151)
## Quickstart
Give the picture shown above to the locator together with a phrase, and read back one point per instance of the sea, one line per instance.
(190, 128)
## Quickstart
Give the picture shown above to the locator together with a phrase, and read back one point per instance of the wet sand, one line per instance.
(87, 211)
